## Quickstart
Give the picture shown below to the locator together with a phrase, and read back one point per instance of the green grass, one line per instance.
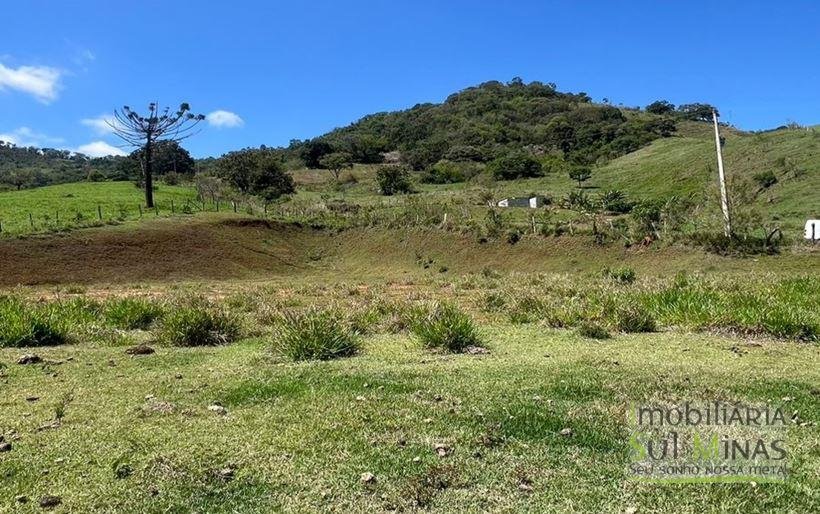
(314, 335)
(686, 165)
(298, 436)
(118, 201)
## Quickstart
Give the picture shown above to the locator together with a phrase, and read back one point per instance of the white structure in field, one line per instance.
(531, 203)
(812, 230)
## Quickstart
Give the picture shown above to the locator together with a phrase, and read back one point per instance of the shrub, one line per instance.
(516, 164)
(445, 327)
(634, 318)
(23, 325)
(624, 275)
(765, 179)
(315, 335)
(593, 331)
(132, 313)
(445, 172)
(198, 325)
(393, 180)
(615, 201)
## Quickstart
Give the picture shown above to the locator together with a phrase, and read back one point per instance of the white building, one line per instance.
(812, 230)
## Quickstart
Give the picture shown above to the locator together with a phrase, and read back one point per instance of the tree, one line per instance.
(580, 174)
(660, 107)
(516, 164)
(336, 162)
(257, 172)
(393, 180)
(167, 156)
(145, 132)
(696, 112)
(312, 151)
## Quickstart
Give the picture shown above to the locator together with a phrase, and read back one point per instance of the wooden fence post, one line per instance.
(99, 211)
(172, 206)
(31, 220)
(139, 206)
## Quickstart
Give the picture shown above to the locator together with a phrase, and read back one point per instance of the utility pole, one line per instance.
(724, 201)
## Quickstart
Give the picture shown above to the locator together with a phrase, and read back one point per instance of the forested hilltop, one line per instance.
(493, 119)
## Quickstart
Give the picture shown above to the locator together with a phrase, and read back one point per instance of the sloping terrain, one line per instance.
(686, 164)
(224, 247)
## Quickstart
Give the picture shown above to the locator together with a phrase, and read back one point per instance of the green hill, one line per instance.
(686, 165)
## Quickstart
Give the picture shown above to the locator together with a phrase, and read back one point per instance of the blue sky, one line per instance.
(285, 70)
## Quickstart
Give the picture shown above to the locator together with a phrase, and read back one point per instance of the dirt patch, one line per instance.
(161, 250)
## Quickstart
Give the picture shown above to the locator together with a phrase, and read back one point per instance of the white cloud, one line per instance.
(102, 124)
(42, 82)
(24, 136)
(225, 119)
(99, 149)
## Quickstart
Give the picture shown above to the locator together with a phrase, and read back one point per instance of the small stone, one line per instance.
(566, 432)
(178, 376)
(427, 420)
(368, 478)
(225, 474)
(442, 450)
(524, 487)
(416, 459)
(218, 409)
(149, 397)
(48, 501)
(140, 349)
(59, 460)
(631, 510)
(123, 471)
(360, 398)
(5, 447)
(437, 398)
(29, 358)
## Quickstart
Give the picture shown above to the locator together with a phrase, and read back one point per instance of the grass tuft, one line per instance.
(633, 317)
(592, 330)
(132, 313)
(445, 327)
(24, 325)
(199, 325)
(315, 335)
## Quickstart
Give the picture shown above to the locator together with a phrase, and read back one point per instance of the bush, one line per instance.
(23, 325)
(593, 331)
(393, 180)
(315, 335)
(444, 172)
(445, 327)
(765, 179)
(615, 201)
(132, 313)
(634, 318)
(516, 164)
(198, 325)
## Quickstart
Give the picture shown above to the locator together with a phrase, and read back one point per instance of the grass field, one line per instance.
(67, 206)
(449, 432)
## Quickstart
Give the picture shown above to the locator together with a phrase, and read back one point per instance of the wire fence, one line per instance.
(63, 219)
